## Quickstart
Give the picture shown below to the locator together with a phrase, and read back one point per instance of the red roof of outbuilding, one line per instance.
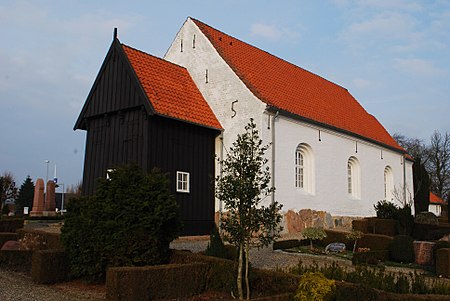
(170, 89)
(285, 86)
(434, 199)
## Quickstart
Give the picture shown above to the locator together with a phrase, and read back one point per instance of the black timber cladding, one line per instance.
(122, 128)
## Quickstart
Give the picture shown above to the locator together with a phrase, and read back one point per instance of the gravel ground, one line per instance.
(20, 287)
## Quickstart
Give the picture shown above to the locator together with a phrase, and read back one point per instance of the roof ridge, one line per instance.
(279, 58)
(154, 56)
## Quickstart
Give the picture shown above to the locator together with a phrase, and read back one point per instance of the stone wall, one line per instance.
(295, 222)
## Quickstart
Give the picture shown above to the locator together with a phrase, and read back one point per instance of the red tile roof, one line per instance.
(285, 86)
(434, 199)
(170, 89)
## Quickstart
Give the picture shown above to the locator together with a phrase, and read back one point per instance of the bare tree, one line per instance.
(8, 189)
(439, 163)
(415, 147)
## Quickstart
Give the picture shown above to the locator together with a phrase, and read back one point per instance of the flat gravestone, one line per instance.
(11, 245)
(335, 247)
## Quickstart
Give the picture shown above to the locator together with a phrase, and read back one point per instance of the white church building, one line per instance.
(327, 152)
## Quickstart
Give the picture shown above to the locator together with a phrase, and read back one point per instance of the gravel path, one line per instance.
(20, 287)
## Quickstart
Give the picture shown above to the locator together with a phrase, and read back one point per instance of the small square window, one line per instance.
(182, 181)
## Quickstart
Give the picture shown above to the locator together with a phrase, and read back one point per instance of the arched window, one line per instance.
(353, 178)
(304, 168)
(388, 183)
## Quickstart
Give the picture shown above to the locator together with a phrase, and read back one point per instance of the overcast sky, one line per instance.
(392, 55)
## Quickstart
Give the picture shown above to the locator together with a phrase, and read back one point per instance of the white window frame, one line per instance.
(183, 181)
(304, 168)
(353, 178)
(108, 172)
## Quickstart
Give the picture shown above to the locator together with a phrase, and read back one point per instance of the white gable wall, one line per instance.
(222, 89)
(330, 155)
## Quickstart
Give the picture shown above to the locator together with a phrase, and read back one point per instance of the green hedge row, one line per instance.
(155, 282)
(16, 260)
(355, 292)
(10, 224)
(49, 266)
(443, 262)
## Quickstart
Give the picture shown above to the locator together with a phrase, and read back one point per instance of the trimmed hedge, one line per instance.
(336, 236)
(402, 249)
(286, 244)
(355, 292)
(361, 225)
(443, 262)
(221, 273)
(153, 282)
(11, 224)
(382, 226)
(265, 282)
(49, 266)
(370, 257)
(16, 260)
(430, 232)
(52, 240)
(6, 236)
(375, 242)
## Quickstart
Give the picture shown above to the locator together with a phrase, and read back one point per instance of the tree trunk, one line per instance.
(239, 275)
(246, 270)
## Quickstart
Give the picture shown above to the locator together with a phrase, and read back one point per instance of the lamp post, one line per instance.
(46, 177)
(62, 198)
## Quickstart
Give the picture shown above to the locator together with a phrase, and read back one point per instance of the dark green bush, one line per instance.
(421, 231)
(130, 221)
(286, 244)
(216, 247)
(405, 220)
(402, 249)
(385, 209)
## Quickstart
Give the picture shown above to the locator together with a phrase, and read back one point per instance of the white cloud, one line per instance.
(386, 25)
(362, 84)
(418, 67)
(406, 5)
(272, 32)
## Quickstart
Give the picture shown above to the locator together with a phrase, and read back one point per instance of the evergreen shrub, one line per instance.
(385, 209)
(216, 247)
(129, 221)
(402, 249)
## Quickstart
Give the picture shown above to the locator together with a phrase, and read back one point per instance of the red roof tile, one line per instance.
(170, 89)
(285, 86)
(434, 199)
